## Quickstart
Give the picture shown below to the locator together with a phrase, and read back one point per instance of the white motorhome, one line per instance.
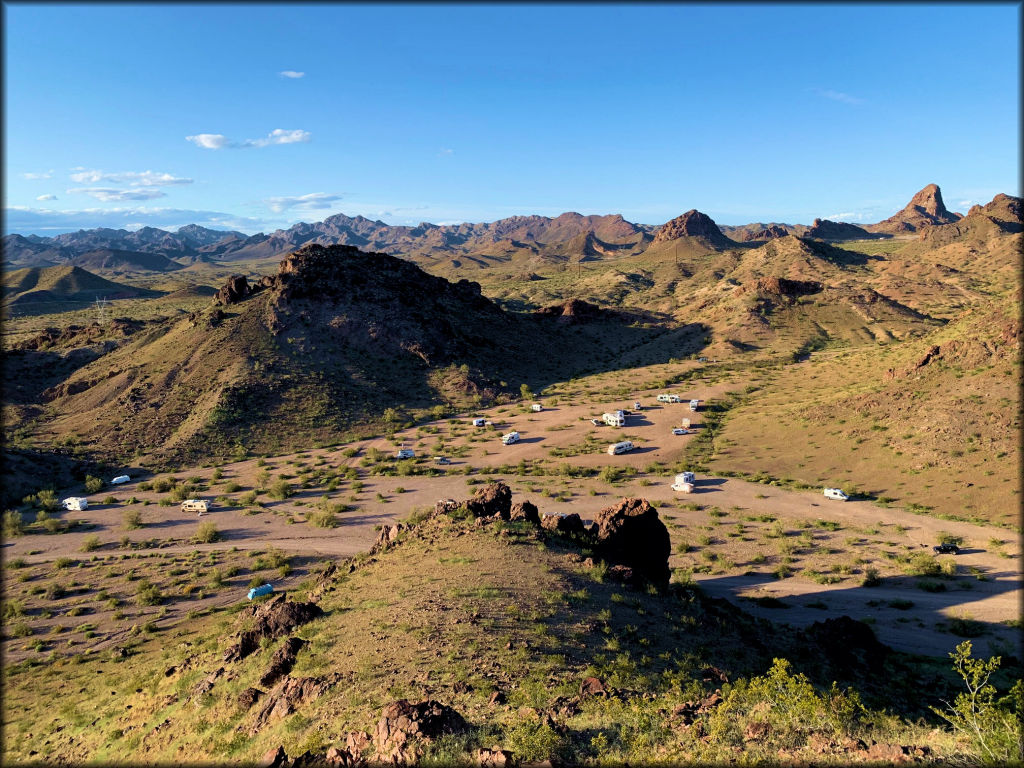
(405, 453)
(478, 422)
(195, 505)
(694, 404)
(669, 399)
(684, 482)
(75, 503)
(835, 493)
(624, 447)
(617, 419)
(510, 438)
(536, 408)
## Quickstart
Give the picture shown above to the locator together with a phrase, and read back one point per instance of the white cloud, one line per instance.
(279, 136)
(291, 73)
(315, 201)
(967, 203)
(109, 195)
(37, 176)
(276, 136)
(846, 98)
(446, 152)
(209, 140)
(134, 178)
(43, 198)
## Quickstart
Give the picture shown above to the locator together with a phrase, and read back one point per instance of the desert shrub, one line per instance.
(324, 518)
(93, 484)
(162, 485)
(923, 564)
(280, 490)
(14, 525)
(206, 533)
(91, 543)
(63, 562)
(147, 593)
(232, 487)
(132, 519)
(871, 578)
(992, 728)
(534, 741)
(46, 499)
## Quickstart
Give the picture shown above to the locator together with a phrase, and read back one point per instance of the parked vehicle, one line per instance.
(405, 453)
(75, 503)
(478, 422)
(684, 482)
(597, 422)
(120, 479)
(195, 505)
(442, 460)
(510, 439)
(669, 399)
(835, 493)
(637, 406)
(536, 408)
(680, 431)
(947, 549)
(694, 405)
(624, 447)
(263, 589)
(616, 419)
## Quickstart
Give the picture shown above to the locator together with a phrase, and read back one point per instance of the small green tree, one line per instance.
(280, 490)
(132, 519)
(525, 392)
(93, 484)
(13, 523)
(46, 499)
(206, 533)
(993, 727)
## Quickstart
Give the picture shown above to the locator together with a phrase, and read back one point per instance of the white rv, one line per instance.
(75, 503)
(478, 422)
(120, 479)
(624, 447)
(405, 453)
(536, 408)
(694, 404)
(510, 438)
(616, 419)
(195, 505)
(684, 482)
(835, 493)
(669, 399)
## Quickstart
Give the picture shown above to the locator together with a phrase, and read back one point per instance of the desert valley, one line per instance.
(460, 456)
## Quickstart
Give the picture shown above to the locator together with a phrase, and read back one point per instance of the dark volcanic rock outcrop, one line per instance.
(631, 533)
(780, 286)
(770, 232)
(1001, 216)
(693, 223)
(403, 725)
(493, 499)
(273, 619)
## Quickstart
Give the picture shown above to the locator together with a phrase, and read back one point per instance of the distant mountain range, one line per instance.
(570, 237)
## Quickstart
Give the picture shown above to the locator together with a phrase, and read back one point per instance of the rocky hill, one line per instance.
(319, 350)
(63, 284)
(924, 210)
(823, 229)
(112, 260)
(693, 224)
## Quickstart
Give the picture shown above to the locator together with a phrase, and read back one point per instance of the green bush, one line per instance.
(46, 499)
(147, 593)
(91, 543)
(206, 533)
(132, 519)
(14, 525)
(93, 484)
(280, 490)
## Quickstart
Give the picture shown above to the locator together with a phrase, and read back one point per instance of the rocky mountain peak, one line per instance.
(929, 201)
(693, 223)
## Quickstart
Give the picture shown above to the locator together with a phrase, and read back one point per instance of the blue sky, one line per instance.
(254, 117)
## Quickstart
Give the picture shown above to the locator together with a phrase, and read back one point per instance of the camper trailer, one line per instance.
(617, 419)
(684, 482)
(835, 493)
(669, 399)
(405, 453)
(75, 503)
(624, 447)
(195, 505)
(510, 438)
(694, 405)
(120, 479)
(478, 422)
(536, 408)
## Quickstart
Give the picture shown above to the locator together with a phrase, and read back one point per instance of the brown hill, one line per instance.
(1001, 216)
(113, 260)
(925, 209)
(64, 284)
(823, 229)
(694, 224)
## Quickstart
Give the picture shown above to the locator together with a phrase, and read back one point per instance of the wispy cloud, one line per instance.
(292, 74)
(37, 176)
(276, 136)
(845, 98)
(44, 198)
(110, 195)
(133, 178)
(315, 201)
(42, 220)
(446, 153)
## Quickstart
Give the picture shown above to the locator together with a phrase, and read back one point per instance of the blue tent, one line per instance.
(259, 591)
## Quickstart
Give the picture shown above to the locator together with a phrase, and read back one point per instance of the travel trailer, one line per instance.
(669, 399)
(617, 419)
(76, 503)
(624, 447)
(835, 493)
(510, 438)
(195, 505)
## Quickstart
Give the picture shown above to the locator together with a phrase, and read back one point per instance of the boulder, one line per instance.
(404, 725)
(525, 511)
(247, 699)
(233, 291)
(630, 533)
(274, 618)
(495, 757)
(493, 499)
(387, 538)
(592, 686)
(565, 524)
(290, 694)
